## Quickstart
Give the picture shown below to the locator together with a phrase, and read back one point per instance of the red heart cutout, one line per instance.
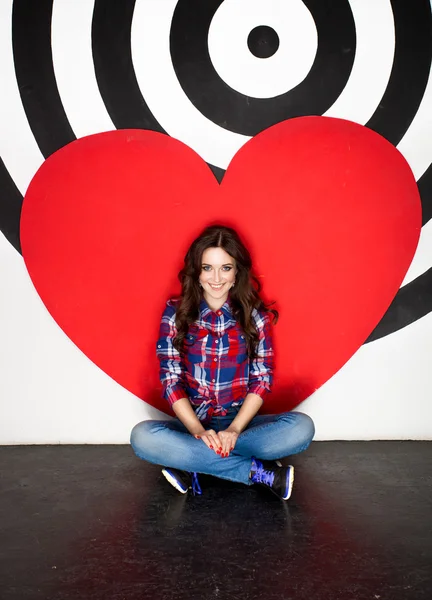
(330, 211)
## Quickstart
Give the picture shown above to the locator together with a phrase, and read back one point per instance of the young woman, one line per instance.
(216, 368)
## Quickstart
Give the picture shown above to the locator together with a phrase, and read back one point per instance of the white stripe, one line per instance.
(416, 145)
(372, 64)
(74, 69)
(18, 147)
(162, 91)
(422, 260)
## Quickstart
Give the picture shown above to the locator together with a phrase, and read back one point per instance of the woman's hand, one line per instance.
(228, 439)
(210, 439)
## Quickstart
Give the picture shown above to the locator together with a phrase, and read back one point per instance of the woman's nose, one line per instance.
(216, 276)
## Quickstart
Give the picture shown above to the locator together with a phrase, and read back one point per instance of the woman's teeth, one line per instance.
(216, 287)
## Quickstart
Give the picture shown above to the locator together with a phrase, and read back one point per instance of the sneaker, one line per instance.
(182, 480)
(278, 479)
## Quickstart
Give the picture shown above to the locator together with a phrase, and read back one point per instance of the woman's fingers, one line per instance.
(221, 440)
(226, 445)
(216, 441)
(211, 440)
(232, 443)
(228, 440)
(206, 440)
(223, 443)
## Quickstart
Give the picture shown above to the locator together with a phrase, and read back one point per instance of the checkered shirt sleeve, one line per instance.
(171, 370)
(261, 367)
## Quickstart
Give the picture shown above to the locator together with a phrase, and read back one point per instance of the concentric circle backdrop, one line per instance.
(185, 68)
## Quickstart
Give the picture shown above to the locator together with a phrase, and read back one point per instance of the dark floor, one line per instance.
(95, 522)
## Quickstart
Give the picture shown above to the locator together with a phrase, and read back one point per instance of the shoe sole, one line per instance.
(174, 481)
(290, 484)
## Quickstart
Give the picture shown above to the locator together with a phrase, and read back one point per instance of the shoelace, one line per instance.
(261, 475)
(196, 489)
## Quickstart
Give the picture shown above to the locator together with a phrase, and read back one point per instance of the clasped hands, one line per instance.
(222, 443)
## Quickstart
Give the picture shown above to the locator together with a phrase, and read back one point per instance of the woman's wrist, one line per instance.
(235, 428)
(185, 413)
(197, 430)
(251, 405)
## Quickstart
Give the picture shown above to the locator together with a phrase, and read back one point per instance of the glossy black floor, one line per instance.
(95, 522)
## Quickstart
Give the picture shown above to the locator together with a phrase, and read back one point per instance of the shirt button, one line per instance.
(217, 342)
(213, 380)
(215, 359)
(159, 346)
(219, 313)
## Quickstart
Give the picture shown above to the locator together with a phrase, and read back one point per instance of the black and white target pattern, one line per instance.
(214, 73)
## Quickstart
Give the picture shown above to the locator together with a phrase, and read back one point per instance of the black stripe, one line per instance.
(10, 208)
(217, 172)
(412, 302)
(242, 114)
(410, 72)
(425, 189)
(31, 35)
(115, 74)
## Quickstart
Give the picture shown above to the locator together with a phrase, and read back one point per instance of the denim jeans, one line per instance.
(267, 437)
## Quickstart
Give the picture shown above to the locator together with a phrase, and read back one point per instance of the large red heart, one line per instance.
(329, 209)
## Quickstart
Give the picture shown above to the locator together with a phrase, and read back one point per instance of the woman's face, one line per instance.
(218, 271)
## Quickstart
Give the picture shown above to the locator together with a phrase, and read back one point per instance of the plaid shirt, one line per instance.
(215, 372)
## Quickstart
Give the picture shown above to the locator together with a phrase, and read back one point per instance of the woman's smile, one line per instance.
(216, 286)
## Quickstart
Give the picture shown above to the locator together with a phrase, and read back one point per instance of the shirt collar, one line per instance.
(206, 311)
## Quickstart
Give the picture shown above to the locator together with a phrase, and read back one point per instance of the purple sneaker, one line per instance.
(278, 479)
(182, 480)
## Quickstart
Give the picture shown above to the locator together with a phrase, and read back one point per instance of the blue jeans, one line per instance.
(267, 437)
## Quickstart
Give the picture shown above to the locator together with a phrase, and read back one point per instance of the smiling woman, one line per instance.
(218, 267)
(216, 367)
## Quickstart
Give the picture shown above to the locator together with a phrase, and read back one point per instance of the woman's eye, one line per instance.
(209, 268)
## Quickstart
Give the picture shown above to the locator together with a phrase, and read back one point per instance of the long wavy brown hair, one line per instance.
(244, 295)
